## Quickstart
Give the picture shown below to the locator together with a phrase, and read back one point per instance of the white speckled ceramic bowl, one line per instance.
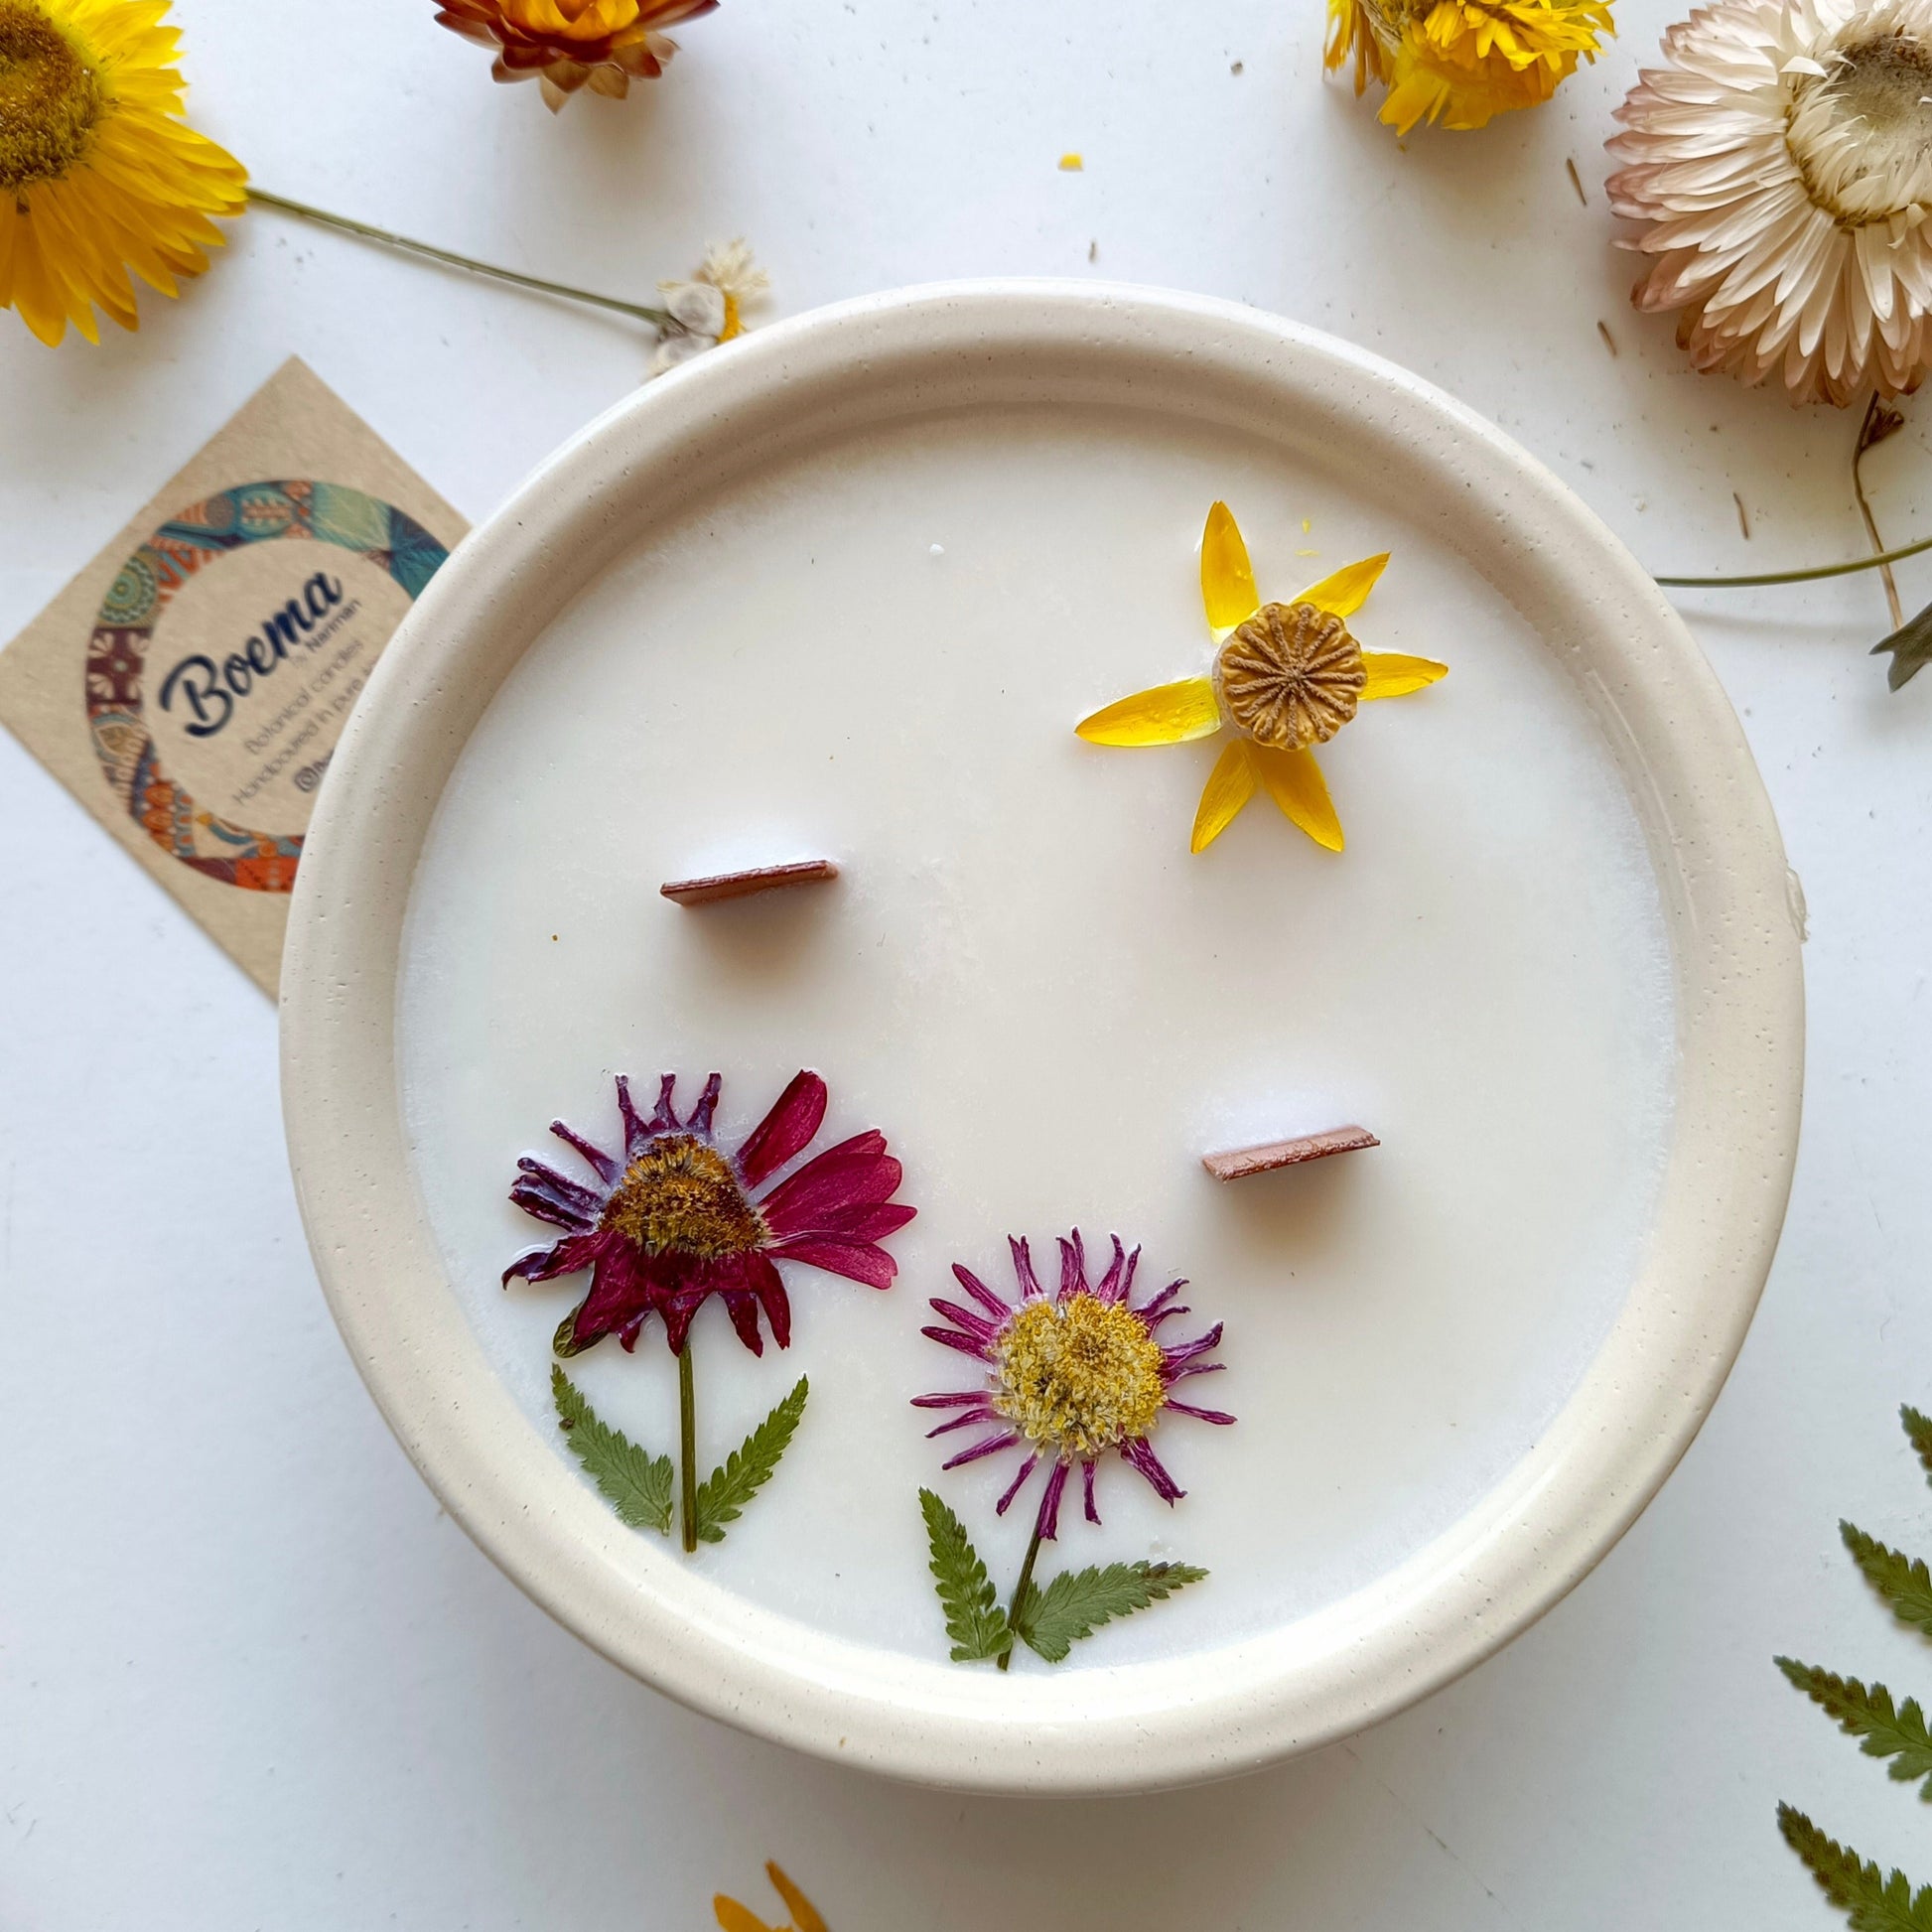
(1428, 1458)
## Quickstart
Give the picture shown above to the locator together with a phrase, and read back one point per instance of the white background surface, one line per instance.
(251, 1677)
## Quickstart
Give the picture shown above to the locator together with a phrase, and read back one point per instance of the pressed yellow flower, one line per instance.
(1461, 62)
(734, 1917)
(99, 173)
(1286, 677)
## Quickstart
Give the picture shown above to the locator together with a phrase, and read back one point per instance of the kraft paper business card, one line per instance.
(189, 686)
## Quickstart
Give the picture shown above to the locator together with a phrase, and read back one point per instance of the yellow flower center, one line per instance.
(586, 20)
(50, 99)
(1077, 1377)
(680, 1196)
(1290, 676)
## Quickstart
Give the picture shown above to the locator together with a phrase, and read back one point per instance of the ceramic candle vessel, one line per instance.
(841, 591)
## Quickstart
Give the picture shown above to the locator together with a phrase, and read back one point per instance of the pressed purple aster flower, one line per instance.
(1069, 1376)
(674, 1219)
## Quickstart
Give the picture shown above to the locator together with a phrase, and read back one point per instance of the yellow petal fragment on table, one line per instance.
(1229, 786)
(734, 1918)
(1344, 594)
(1170, 714)
(804, 1915)
(1294, 782)
(1227, 579)
(1391, 674)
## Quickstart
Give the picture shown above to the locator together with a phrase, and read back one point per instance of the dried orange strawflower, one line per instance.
(602, 44)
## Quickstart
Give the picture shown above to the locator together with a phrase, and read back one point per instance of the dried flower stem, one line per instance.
(1020, 1590)
(1880, 421)
(687, 1445)
(368, 231)
(1878, 562)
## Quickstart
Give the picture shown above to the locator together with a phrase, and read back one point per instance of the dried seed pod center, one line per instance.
(1861, 134)
(1077, 1377)
(1289, 676)
(50, 99)
(680, 1196)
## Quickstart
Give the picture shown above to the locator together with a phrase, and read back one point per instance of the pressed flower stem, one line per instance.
(389, 239)
(687, 1445)
(1020, 1590)
(1878, 562)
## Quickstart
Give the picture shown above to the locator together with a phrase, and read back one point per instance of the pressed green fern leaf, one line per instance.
(1918, 1431)
(1867, 1714)
(1903, 1582)
(1870, 1902)
(974, 1620)
(636, 1483)
(723, 1494)
(1077, 1602)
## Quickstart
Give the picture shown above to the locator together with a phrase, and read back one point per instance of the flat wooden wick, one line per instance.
(739, 884)
(1244, 1160)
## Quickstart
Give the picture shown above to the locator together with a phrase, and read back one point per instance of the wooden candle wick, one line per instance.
(1241, 1162)
(739, 884)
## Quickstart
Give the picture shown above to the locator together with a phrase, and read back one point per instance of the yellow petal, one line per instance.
(1229, 786)
(1347, 589)
(1227, 579)
(1170, 714)
(734, 1918)
(1392, 676)
(804, 1916)
(1294, 782)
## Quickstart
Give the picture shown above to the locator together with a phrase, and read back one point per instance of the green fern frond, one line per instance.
(636, 1483)
(1903, 1582)
(1870, 1902)
(1077, 1602)
(974, 1620)
(1918, 1431)
(723, 1494)
(1868, 1716)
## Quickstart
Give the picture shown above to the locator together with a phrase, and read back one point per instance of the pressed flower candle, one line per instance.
(875, 655)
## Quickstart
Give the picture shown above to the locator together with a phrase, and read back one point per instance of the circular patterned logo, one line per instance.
(200, 536)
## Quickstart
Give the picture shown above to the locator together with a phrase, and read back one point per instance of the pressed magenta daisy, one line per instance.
(674, 1219)
(1069, 1377)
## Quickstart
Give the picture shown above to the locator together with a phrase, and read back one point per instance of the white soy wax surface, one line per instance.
(876, 654)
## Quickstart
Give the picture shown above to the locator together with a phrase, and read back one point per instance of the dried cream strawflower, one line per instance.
(1782, 166)
(1461, 62)
(710, 308)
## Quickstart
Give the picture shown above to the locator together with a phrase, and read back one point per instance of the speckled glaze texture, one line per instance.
(1721, 880)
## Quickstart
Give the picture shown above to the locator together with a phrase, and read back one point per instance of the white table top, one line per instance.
(249, 1673)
